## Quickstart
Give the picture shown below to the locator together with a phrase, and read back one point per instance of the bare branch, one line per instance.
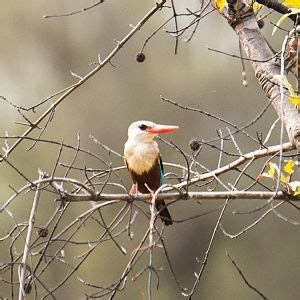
(75, 11)
(31, 221)
(119, 45)
(234, 195)
(244, 278)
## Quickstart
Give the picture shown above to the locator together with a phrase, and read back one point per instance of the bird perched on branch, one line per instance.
(144, 163)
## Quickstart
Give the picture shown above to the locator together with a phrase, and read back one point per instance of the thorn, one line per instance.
(99, 58)
(75, 75)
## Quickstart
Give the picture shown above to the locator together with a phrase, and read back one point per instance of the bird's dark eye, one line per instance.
(143, 127)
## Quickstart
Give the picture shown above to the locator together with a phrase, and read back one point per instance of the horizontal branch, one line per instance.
(234, 195)
(236, 163)
(90, 195)
(202, 177)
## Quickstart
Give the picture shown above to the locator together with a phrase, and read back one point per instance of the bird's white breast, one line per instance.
(141, 157)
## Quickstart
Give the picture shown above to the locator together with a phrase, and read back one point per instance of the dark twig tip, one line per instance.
(261, 23)
(195, 145)
(27, 288)
(42, 232)
(140, 57)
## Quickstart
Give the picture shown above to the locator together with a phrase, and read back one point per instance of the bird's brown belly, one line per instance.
(147, 181)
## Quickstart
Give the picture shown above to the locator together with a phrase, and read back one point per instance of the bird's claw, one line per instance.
(133, 191)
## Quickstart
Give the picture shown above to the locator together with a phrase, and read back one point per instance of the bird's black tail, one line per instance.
(164, 213)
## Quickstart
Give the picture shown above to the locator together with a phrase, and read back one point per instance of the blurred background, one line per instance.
(37, 56)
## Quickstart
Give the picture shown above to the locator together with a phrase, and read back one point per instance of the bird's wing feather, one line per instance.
(161, 167)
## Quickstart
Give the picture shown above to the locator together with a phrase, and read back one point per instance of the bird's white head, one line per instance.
(144, 131)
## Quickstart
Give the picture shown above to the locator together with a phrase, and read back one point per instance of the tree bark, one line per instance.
(266, 67)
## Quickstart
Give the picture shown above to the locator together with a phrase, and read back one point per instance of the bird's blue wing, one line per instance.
(161, 168)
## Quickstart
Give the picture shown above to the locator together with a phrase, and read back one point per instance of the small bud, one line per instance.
(140, 57)
(27, 288)
(42, 232)
(195, 145)
(245, 82)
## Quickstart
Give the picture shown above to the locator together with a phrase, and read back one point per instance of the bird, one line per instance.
(144, 163)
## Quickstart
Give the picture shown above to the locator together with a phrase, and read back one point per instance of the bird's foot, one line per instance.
(133, 191)
(151, 194)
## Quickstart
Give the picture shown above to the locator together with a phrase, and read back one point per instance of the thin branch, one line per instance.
(101, 64)
(244, 58)
(176, 25)
(241, 160)
(234, 236)
(204, 262)
(31, 222)
(206, 114)
(151, 242)
(75, 11)
(244, 278)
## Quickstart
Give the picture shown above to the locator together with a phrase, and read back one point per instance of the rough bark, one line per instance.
(265, 67)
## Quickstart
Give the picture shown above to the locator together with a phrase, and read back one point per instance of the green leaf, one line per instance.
(287, 84)
(283, 178)
(284, 17)
(294, 98)
(273, 169)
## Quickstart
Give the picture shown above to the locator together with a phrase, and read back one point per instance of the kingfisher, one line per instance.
(144, 163)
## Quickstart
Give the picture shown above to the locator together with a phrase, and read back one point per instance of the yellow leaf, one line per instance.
(220, 4)
(292, 3)
(273, 169)
(297, 192)
(295, 99)
(284, 17)
(271, 172)
(289, 167)
(257, 5)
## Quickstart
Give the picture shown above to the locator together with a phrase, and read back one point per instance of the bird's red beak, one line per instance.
(157, 129)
